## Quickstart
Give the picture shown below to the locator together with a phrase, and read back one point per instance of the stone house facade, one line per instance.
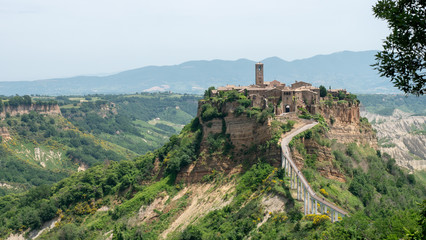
(283, 98)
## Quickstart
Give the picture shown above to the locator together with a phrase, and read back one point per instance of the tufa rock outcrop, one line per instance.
(245, 136)
(51, 109)
(345, 124)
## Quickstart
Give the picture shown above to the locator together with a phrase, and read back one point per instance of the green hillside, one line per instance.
(107, 200)
(139, 122)
(43, 149)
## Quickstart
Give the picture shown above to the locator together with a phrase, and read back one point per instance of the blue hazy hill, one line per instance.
(349, 70)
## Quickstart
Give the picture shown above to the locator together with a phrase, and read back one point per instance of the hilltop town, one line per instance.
(283, 98)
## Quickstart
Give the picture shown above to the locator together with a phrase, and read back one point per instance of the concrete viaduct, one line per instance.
(298, 182)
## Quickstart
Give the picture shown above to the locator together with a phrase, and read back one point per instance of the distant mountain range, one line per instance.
(349, 70)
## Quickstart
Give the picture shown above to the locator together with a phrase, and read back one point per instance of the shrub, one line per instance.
(208, 92)
(191, 233)
(288, 126)
(245, 102)
(320, 219)
(295, 215)
(208, 112)
(239, 110)
(341, 95)
(323, 192)
(262, 117)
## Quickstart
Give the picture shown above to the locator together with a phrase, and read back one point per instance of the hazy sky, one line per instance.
(56, 38)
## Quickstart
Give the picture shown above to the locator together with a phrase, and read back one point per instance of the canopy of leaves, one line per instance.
(323, 91)
(403, 59)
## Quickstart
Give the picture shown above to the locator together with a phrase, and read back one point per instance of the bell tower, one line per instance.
(259, 73)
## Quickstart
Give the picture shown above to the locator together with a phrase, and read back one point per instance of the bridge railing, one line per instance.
(313, 204)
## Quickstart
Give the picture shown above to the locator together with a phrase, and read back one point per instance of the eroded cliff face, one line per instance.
(346, 126)
(246, 136)
(324, 158)
(25, 109)
(4, 133)
(402, 137)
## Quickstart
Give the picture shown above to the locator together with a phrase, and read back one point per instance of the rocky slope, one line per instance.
(402, 136)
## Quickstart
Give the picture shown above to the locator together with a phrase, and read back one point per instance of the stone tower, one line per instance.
(259, 74)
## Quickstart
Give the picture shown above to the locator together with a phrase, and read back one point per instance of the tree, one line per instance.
(341, 95)
(27, 100)
(323, 91)
(208, 92)
(403, 59)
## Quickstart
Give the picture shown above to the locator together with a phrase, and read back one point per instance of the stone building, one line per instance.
(283, 98)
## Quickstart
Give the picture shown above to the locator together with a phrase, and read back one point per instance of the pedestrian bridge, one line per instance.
(313, 204)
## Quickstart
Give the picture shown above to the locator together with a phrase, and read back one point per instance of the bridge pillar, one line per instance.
(291, 178)
(304, 199)
(298, 187)
(284, 163)
(307, 203)
(316, 207)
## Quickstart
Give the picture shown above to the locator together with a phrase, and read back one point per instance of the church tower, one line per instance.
(259, 74)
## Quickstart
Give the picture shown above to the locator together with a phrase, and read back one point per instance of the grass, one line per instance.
(69, 106)
(147, 95)
(177, 127)
(420, 176)
(175, 115)
(26, 152)
(144, 197)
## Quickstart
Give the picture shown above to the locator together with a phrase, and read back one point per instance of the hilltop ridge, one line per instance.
(349, 70)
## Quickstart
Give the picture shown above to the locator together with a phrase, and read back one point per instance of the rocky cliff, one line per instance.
(246, 139)
(25, 109)
(345, 124)
(324, 157)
